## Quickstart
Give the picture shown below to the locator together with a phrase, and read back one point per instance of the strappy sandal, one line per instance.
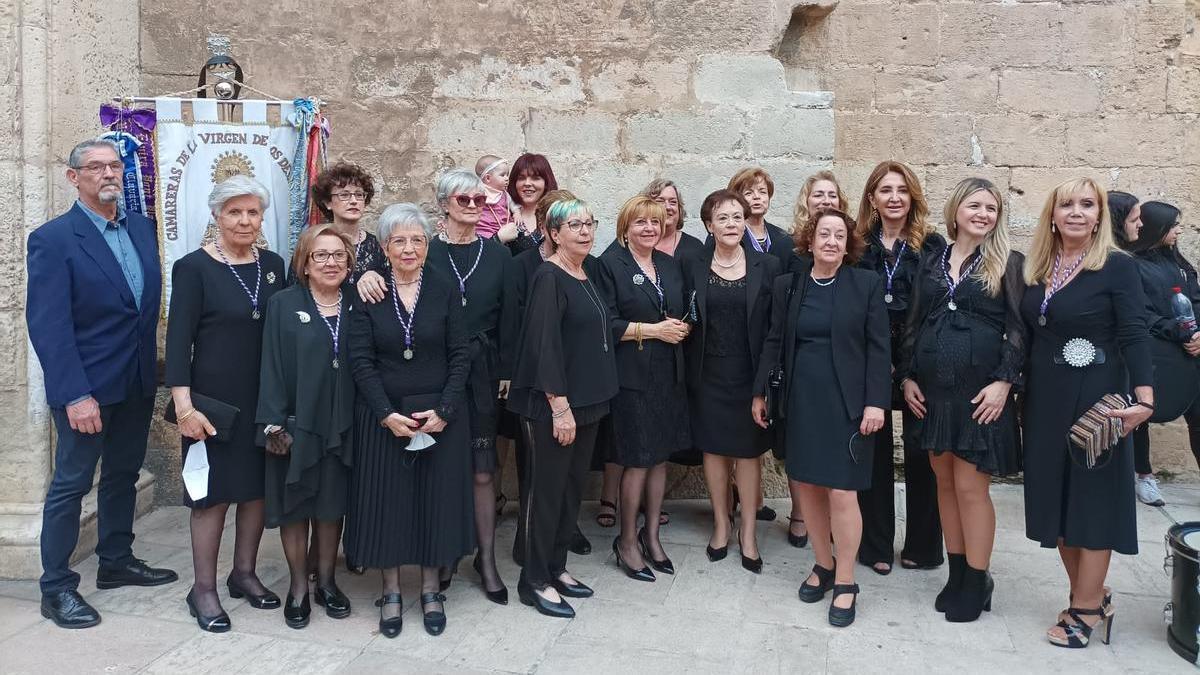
(1078, 633)
(607, 519)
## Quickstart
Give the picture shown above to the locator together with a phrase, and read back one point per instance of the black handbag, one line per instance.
(777, 378)
(219, 413)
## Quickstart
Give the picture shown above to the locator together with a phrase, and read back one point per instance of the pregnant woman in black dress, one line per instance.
(1086, 312)
(831, 406)
(410, 359)
(219, 295)
(963, 350)
(732, 291)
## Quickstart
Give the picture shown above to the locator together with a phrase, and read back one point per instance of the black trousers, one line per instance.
(923, 528)
(555, 476)
(120, 448)
(1141, 440)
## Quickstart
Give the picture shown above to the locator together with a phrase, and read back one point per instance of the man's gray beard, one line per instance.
(108, 195)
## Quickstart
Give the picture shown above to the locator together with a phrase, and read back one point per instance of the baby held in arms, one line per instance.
(497, 211)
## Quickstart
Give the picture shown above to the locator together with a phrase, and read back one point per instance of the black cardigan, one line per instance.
(761, 270)
(860, 334)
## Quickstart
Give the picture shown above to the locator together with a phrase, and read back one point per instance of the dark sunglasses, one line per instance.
(466, 201)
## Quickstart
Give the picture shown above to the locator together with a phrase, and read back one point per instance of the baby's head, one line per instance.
(493, 171)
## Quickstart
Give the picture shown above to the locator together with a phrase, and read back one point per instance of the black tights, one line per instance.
(296, 549)
(207, 525)
(485, 529)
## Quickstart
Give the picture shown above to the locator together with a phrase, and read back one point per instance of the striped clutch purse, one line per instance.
(1094, 435)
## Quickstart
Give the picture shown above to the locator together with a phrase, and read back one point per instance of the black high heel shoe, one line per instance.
(796, 540)
(266, 600)
(575, 590)
(391, 627)
(296, 616)
(435, 621)
(841, 617)
(810, 593)
(750, 564)
(499, 597)
(209, 624)
(580, 545)
(335, 602)
(558, 610)
(643, 574)
(665, 565)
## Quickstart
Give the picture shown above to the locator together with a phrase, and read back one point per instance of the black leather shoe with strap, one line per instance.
(810, 593)
(435, 620)
(840, 617)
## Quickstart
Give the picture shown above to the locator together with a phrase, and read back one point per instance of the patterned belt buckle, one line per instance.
(1079, 352)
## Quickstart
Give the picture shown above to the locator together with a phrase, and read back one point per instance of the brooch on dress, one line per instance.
(270, 277)
(1079, 352)
(304, 317)
(638, 279)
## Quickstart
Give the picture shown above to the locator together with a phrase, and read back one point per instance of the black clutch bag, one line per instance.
(220, 414)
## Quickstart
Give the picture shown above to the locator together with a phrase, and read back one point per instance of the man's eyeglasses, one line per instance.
(322, 257)
(99, 167)
(466, 201)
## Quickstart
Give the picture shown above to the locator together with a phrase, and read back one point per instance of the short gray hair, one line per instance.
(398, 216)
(239, 185)
(75, 159)
(456, 181)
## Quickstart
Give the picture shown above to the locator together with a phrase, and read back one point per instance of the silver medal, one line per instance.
(464, 301)
(335, 363)
(408, 354)
(952, 306)
(256, 315)
(888, 298)
(1042, 320)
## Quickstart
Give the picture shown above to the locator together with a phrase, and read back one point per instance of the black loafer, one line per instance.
(134, 573)
(575, 590)
(390, 627)
(209, 624)
(267, 600)
(579, 543)
(435, 621)
(296, 615)
(68, 609)
(558, 610)
(335, 602)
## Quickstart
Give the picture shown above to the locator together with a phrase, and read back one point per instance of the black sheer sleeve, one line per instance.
(458, 359)
(918, 308)
(1016, 331)
(541, 366)
(773, 343)
(187, 304)
(1129, 302)
(365, 364)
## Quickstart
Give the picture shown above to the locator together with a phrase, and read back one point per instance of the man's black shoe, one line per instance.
(134, 573)
(68, 609)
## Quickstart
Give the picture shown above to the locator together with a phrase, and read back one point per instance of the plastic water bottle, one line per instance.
(1183, 312)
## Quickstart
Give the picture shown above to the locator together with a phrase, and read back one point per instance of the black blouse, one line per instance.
(878, 258)
(995, 322)
(566, 348)
(491, 309)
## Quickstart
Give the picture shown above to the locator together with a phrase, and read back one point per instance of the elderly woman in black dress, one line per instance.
(479, 268)
(306, 405)
(732, 291)
(411, 505)
(892, 218)
(644, 290)
(565, 377)
(963, 350)
(831, 404)
(1086, 311)
(219, 295)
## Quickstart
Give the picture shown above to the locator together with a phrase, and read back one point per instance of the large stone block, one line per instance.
(393, 74)
(558, 133)
(632, 85)
(550, 81)
(468, 129)
(716, 132)
(1128, 140)
(885, 33)
(853, 87)
(1036, 90)
(914, 138)
(1183, 88)
(748, 81)
(1001, 34)
(1021, 140)
(940, 89)
(1096, 34)
(795, 132)
(1134, 89)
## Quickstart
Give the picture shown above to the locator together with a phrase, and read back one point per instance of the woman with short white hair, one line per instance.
(219, 296)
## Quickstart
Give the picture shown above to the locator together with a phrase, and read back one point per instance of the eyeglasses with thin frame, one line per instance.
(577, 225)
(99, 167)
(321, 257)
(467, 201)
(736, 218)
(417, 241)
(347, 195)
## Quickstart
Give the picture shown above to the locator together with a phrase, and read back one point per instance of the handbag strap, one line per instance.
(797, 277)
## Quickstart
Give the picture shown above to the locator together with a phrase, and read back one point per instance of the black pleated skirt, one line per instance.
(410, 508)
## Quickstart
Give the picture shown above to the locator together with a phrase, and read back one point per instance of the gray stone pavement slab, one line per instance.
(707, 618)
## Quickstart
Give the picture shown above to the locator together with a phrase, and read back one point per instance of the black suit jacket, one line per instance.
(761, 270)
(629, 301)
(861, 337)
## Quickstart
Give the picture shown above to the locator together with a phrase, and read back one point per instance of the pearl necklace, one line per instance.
(736, 259)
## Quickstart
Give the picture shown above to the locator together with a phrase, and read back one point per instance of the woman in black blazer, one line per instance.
(841, 399)
(731, 287)
(643, 288)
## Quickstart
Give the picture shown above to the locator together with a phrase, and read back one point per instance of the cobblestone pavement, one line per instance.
(707, 618)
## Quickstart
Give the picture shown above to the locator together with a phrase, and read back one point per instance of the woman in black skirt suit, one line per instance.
(831, 403)
(892, 218)
(732, 291)
(410, 355)
(565, 377)
(643, 288)
(306, 407)
(480, 269)
(1083, 292)
(219, 294)
(963, 350)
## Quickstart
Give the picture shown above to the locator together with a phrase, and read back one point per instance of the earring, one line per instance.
(1053, 228)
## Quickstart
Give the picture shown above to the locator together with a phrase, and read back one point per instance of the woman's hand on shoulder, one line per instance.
(371, 287)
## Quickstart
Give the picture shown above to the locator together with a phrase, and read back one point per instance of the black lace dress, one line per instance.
(952, 354)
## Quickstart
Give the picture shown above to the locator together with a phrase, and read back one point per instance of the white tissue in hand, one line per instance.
(420, 441)
(195, 471)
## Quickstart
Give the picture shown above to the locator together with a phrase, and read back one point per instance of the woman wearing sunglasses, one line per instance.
(829, 404)
(411, 506)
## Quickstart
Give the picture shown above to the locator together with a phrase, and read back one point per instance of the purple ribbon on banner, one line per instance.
(139, 124)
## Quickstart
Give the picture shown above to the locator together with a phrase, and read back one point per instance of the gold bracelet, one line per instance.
(185, 415)
(638, 334)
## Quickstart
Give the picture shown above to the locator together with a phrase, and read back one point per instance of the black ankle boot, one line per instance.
(974, 596)
(958, 562)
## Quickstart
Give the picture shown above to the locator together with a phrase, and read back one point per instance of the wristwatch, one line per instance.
(272, 429)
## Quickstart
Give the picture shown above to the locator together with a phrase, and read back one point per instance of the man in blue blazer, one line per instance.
(92, 311)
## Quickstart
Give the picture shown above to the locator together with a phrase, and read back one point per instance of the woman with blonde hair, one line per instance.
(1088, 338)
(820, 191)
(962, 352)
(892, 217)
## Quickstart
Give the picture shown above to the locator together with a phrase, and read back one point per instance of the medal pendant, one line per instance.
(1042, 320)
(888, 298)
(256, 315)
(952, 306)
(464, 301)
(408, 354)
(606, 348)
(335, 363)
